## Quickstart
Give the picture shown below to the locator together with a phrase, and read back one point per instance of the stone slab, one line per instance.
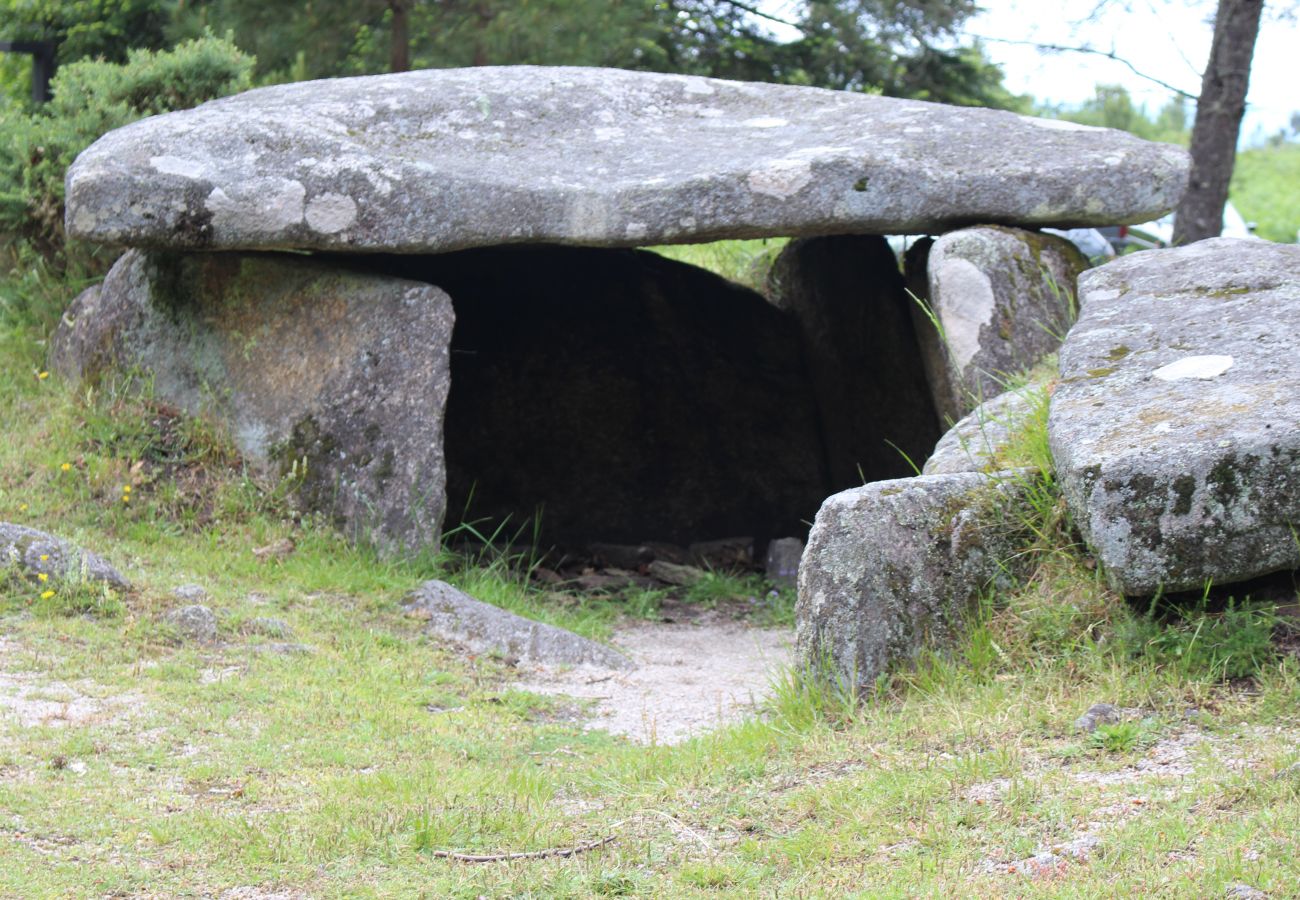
(480, 627)
(336, 379)
(1176, 425)
(998, 300)
(896, 567)
(454, 158)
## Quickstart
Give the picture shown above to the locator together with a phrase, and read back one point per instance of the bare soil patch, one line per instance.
(691, 677)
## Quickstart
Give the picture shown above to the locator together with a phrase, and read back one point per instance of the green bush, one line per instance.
(1235, 642)
(91, 98)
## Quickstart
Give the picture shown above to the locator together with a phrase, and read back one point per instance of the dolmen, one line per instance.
(1174, 433)
(419, 297)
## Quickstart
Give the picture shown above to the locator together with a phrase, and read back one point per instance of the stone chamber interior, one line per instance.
(622, 397)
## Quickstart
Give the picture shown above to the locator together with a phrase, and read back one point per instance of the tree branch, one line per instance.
(1061, 48)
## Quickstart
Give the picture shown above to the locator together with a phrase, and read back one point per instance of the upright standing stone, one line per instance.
(860, 345)
(1176, 424)
(335, 378)
(998, 300)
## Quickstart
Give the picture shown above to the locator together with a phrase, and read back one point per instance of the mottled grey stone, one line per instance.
(1003, 299)
(334, 377)
(1098, 714)
(446, 159)
(895, 567)
(855, 323)
(194, 622)
(479, 627)
(27, 554)
(782, 562)
(1176, 425)
(973, 444)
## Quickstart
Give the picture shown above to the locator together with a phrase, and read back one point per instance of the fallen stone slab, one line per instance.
(1176, 425)
(453, 158)
(996, 302)
(480, 627)
(333, 378)
(27, 554)
(896, 567)
(974, 443)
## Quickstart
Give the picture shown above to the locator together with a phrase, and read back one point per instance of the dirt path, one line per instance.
(690, 678)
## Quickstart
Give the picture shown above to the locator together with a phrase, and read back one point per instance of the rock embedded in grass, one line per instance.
(447, 159)
(29, 553)
(456, 617)
(894, 568)
(1180, 469)
(975, 442)
(194, 622)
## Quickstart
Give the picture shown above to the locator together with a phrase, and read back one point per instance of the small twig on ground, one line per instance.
(550, 853)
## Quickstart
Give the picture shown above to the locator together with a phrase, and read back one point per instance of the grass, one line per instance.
(1264, 190)
(744, 262)
(132, 764)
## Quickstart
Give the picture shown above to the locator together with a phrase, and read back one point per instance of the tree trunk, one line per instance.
(1218, 120)
(399, 56)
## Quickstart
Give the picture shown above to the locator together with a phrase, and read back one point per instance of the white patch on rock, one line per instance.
(608, 134)
(766, 122)
(636, 230)
(695, 86)
(1202, 367)
(781, 178)
(968, 305)
(331, 213)
(175, 165)
(257, 206)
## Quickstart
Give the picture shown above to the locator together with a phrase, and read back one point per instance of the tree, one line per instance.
(1218, 120)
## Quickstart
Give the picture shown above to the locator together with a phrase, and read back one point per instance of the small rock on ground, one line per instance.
(195, 622)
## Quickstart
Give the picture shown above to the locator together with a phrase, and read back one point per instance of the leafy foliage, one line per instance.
(90, 98)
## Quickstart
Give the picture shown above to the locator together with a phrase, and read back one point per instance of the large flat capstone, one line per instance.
(1176, 425)
(448, 159)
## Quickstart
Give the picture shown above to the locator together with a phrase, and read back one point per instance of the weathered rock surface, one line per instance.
(781, 564)
(1176, 425)
(195, 622)
(873, 403)
(454, 158)
(302, 361)
(973, 444)
(895, 567)
(27, 553)
(1003, 299)
(479, 627)
(628, 397)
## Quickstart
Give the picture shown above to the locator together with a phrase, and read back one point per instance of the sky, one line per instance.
(1167, 39)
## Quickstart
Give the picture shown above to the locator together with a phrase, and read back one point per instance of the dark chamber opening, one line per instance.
(626, 398)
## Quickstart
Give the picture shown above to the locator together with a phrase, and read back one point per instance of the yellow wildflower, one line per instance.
(22, 507)
(47, 595)
(42, 375)
(67, 467)
(126, 489)
(45, 557)
(126, 498)
(41, 576)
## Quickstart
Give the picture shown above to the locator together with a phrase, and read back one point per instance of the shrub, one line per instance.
(91, 98)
